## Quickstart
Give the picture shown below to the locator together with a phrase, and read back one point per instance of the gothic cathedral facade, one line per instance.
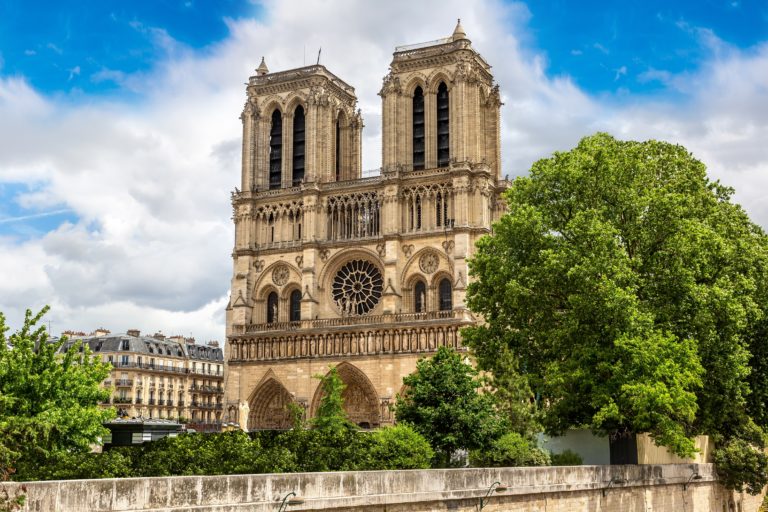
(367, 274)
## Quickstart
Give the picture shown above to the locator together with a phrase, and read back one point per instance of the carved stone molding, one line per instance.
(407, 250)
(258, 265)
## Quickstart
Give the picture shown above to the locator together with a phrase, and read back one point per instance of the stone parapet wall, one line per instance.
(661, 488)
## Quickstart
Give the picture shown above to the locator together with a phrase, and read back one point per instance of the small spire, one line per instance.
(262, 69)
(458, 32)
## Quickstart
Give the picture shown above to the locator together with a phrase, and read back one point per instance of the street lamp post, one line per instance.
(495, 486)
(289, 502)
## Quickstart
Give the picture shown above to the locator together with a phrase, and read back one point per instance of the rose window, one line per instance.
(357, 287)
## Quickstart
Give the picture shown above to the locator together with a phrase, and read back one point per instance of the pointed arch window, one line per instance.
(276, 150)
(272, 308)
(295, 306)
(338, 150)
(443, 140)
(418, 128)
(420, 297)
(445, 294)
(298, 145)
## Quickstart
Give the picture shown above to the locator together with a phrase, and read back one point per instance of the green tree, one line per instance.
(48, 401)
(628, 286)
(444, 403)
(398, 447)
(511, 449)
(330, 415)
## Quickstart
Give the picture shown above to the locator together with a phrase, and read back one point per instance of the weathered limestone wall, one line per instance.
(663, 488)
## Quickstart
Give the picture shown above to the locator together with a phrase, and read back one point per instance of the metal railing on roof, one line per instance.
(416, 46)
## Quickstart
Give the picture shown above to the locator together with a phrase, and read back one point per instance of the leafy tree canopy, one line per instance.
(48, 401)
(630, 291)
(443, 403)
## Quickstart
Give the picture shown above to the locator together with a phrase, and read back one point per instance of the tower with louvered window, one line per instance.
(366, 274)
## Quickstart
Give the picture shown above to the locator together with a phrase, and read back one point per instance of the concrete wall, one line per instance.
(581, 488)
(592, 449)
(596, 450)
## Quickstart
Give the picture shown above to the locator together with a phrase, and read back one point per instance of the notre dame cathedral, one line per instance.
(367, 274)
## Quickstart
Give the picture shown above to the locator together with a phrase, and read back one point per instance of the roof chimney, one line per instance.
(134, 332)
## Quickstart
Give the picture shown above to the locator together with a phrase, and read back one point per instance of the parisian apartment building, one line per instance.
(160, 377)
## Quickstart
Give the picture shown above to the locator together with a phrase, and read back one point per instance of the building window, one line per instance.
(418, 128)
(338, 150)
(446, 299)
(298, 146)
(295, 306)
(123, 360)
(272, 308)
(125, 345)
(275, 150)
(420, 297)
(443, 151)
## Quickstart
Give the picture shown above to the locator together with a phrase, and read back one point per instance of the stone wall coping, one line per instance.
(334, 490)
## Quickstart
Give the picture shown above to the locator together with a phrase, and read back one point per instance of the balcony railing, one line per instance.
(181, 403)
(151, 367)
(139, 401)
(206, 389)
(124, 383)
(324, 323)
(151, 401)
(122, 400)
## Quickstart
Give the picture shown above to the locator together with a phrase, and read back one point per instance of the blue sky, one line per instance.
(71, 47)
(120, 137)
(79, 51)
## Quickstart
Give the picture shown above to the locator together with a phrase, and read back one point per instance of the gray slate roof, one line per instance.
(147, 345)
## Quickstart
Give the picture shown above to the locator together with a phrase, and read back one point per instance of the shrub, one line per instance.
(511, 449)
(567, 458)
(398, 447)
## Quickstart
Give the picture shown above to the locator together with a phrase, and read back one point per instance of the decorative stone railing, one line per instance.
(344, 321)
(351, 336)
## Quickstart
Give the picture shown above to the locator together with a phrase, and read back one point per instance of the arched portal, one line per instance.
(360, 399)
(269, 407)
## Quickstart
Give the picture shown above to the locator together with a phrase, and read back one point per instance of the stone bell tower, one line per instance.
(364, 274)
(440, 106)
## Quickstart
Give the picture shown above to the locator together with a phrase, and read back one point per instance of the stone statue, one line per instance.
(243, 413)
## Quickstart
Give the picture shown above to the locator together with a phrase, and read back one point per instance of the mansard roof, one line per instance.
(148, 345)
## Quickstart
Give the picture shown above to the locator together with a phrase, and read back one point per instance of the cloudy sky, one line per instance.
(119, 129)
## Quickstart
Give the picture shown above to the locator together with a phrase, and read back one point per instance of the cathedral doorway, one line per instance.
(360, 399)
(269, 407)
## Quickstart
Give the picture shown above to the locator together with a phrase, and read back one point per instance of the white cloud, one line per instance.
(150, 181)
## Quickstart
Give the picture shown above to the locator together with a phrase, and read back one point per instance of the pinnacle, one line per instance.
(458, 32)
(262, 69)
